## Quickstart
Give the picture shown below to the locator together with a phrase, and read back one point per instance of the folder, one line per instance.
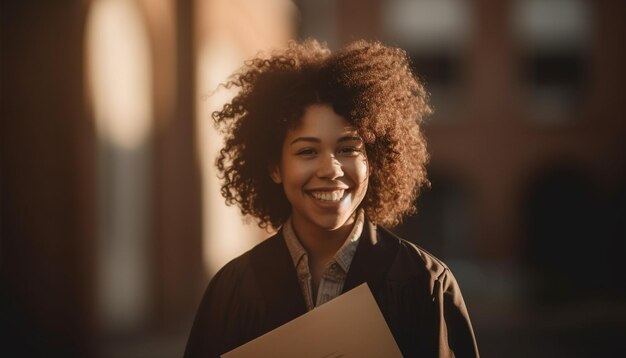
(351, 325)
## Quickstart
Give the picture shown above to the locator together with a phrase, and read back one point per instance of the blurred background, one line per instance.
(112, 222)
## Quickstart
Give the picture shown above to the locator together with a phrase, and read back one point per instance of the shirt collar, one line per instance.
(343, 256)
(296, 250)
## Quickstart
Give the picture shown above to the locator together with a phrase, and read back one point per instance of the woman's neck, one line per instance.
(321, 245)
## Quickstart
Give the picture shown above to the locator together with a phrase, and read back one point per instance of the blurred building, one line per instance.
(112, 221)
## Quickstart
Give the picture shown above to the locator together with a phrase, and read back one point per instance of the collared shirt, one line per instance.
(336, 270)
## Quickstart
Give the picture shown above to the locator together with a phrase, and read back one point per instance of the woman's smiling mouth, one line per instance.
(328, 195)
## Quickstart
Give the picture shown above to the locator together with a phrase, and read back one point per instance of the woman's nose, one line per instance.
(329, 167)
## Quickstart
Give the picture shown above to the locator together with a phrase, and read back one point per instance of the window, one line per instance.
(435, 33)
(119, 83)
(441, 225)
(554, 36)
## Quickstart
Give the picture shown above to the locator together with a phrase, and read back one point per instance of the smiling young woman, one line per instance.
(323, 170)
(324, 173)
(327, 148)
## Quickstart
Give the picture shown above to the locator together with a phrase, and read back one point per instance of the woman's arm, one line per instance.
(456, 336)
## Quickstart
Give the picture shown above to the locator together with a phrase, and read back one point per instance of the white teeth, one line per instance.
(334, 195)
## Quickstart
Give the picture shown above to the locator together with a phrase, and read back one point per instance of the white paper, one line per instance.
(351, 325)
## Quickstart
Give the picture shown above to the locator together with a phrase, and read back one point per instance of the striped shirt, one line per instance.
(336, 270)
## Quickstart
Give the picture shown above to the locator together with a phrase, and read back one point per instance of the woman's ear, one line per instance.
(275, 174)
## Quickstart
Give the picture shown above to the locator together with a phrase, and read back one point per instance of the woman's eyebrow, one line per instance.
(317, 140)
(306, 139)
(349, 138)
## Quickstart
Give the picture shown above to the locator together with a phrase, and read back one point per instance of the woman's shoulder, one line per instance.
(411, 259)
(416, 273)
(233, 296)
(241, 266)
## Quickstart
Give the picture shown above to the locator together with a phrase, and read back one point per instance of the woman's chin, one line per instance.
(334, 223)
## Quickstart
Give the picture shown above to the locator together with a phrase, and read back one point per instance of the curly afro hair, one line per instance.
(370, 85)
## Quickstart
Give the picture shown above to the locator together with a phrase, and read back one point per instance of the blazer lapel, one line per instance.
(371, 262)
(278, 282)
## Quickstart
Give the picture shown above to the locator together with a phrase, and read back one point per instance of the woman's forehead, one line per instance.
(320, 120)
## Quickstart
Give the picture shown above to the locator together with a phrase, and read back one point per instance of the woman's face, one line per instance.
(323, 170)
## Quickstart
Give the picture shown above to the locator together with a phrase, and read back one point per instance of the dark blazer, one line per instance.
(259, 291)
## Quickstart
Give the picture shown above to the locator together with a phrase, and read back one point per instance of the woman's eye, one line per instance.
(306, 152)
(349, 150)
